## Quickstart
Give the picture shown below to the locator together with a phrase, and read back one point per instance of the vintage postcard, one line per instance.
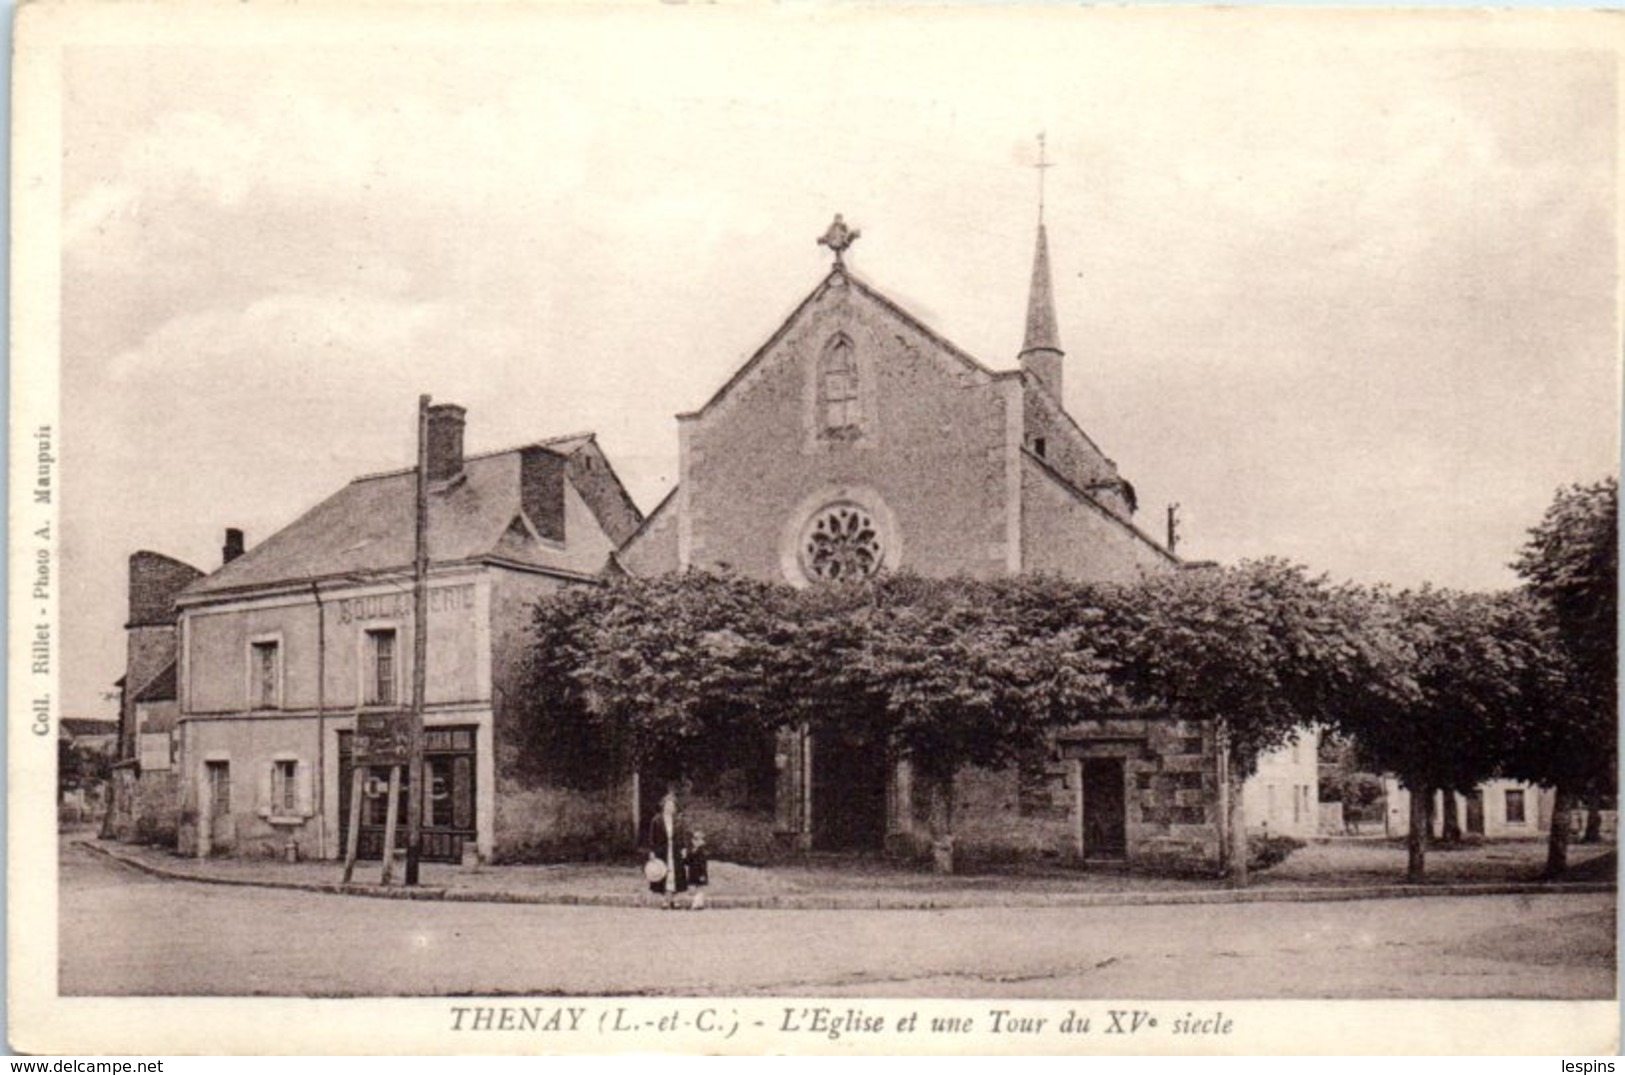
(812, 529)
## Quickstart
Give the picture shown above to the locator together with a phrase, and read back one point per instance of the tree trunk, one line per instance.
(1557, 845)
(1238, 829)
(1416, 842)
(1593, 833)
(1222, 819)
(1452, 822)
(942, 822)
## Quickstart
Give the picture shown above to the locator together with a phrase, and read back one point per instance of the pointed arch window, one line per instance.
(838, 385)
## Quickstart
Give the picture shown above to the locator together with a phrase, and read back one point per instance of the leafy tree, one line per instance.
(967, 683)
(1571, 565)
(675, 665)
(1260, 650)
(554, 734)
(1479, 664)
(663, 675)
(79, 766)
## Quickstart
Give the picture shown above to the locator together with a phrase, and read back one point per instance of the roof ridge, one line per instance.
(648, 520)
(844, 273)
(545, 442)
(1046, 468)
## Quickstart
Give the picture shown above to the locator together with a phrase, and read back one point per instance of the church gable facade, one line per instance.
(855, 441)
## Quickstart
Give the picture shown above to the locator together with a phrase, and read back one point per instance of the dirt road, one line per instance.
(124, 933)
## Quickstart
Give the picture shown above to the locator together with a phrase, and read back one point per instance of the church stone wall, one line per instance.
(1017, 812)
(930, 446)
(1171, 786)
(653, 550)
(1065, 448)
(1064, 535)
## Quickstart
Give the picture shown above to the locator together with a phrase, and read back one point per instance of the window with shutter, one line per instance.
(284, 788)
(304, 799)
(265, 790)
(218, 774)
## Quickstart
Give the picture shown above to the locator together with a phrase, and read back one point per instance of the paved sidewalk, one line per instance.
(1314, 874)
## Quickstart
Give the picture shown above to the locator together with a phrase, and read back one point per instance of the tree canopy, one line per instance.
(1571, 568)
(1443, 688)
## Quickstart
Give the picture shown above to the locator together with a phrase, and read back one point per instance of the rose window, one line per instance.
(842, 542)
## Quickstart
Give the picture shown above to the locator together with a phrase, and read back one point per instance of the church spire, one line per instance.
(1042, 334)
(1041, 352)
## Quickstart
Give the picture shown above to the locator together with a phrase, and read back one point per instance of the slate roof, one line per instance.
(368, 526)
(75, 727)
(161, 687)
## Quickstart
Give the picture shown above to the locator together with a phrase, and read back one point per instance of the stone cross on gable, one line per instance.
(838, 238)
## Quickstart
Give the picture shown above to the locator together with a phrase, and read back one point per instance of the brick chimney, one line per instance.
(445, 441)
(155, 579)
(233, 547)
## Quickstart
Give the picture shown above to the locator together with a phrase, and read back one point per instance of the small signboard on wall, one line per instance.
(382, 738)
(153, 751)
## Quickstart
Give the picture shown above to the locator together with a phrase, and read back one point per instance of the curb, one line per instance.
(859, 903)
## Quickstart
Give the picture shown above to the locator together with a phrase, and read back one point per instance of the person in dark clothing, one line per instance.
(697, 870)
(668, 844)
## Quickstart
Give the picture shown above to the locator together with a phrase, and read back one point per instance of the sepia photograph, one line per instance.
(711, 529)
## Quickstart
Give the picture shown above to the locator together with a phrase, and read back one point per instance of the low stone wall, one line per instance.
(555, 824)
(1014, 814)
(145, 809)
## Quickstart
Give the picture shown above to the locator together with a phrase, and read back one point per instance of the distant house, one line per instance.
(1497, 809)
(86, 748)
(1283, 796)
(90, 733)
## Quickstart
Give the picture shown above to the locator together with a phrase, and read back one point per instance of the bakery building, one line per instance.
(285, 647)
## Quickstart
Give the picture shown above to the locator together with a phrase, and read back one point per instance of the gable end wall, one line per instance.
(933, 450)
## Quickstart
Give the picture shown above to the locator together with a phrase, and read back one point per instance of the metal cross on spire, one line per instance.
(838, 238)
(1044, 164)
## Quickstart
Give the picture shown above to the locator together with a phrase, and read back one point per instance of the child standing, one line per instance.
(697, 869)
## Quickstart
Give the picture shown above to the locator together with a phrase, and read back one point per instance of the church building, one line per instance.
(858, 440)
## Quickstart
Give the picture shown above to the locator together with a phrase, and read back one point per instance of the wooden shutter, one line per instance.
(264, 805)
(303, 795)
(462, 793)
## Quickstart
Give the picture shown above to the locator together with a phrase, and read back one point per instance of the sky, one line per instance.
(1342, 286)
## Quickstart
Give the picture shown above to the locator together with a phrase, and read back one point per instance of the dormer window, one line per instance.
(1039, 447)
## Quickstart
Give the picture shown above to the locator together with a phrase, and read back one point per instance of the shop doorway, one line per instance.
(448, 812)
